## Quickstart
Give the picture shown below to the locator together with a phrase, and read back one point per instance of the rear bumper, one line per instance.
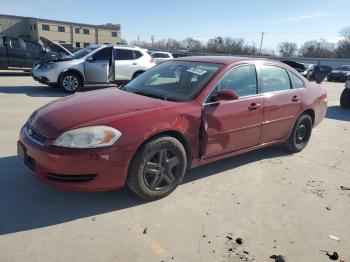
(76, 169)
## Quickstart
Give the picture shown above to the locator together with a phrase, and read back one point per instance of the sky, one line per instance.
(296, 20)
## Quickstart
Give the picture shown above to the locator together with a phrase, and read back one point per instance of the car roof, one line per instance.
(224, 59)
(161, 52)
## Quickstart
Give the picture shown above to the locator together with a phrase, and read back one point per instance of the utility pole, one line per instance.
(152, 39)
(138, 40)
(261, 42)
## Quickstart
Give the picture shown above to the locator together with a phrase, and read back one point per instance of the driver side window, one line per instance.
(241, 79)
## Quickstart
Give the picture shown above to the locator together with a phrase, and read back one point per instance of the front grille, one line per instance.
(34, 134)
(71, 178)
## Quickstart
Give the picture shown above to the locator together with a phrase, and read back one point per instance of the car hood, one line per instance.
(55, 47)
(91, 108)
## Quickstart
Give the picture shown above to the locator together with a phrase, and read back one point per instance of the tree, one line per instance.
(287, 48)
(318, 48)
(343, 50)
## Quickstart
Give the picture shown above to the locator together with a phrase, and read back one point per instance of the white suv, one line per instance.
(96, 64)
(131, 61)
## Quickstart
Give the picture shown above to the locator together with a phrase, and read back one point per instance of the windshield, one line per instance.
(84, 52)
(174, 80)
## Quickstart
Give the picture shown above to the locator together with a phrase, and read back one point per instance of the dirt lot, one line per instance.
(279, 204)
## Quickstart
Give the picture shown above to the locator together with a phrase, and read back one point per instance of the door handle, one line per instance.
(134, 63)
(253, 106)
(296, 98)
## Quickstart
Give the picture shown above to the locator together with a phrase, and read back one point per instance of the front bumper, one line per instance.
(97, 169)
(45, 76)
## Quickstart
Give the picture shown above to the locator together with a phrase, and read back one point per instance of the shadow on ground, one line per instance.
(338, 113)
(26, 203)
(43, 91)
(14, 73)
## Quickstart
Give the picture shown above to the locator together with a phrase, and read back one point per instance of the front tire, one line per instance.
(157, 168)
(137, 74)
(300, 135)
(70, 82)
(345, 98)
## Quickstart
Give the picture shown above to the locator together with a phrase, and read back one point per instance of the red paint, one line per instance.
(232, 127)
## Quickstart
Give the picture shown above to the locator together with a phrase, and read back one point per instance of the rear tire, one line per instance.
(345, 98)
(300, 135)
(157, 168)
(70, 82)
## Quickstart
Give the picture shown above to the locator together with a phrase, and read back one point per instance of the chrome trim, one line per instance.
(30, 137)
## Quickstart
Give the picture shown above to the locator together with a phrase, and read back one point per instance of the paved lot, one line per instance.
(277, 203)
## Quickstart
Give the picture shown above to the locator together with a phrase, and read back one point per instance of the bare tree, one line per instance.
(343, 50)
(287, 48)
(318, 48)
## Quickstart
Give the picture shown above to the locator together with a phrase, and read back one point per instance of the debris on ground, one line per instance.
(145, 231)
(344, 188)
(239, 241)
(333, 256)
(229, 238)
(328, 208)
(204, 236)
(278, 258)
(93, 219)
(334, 237)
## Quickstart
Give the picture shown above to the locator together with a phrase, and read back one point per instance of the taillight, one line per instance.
(153, 61)
(325, 95)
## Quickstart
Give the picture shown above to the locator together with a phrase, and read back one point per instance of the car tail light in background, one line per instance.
(153, 61)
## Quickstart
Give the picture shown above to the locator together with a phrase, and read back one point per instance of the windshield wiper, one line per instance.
(152, 95)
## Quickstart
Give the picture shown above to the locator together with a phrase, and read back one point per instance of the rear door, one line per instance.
(282, 103)
(125, 63)
(99, 67)
(16, 52)
(234, 125)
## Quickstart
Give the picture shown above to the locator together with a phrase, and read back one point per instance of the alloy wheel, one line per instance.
(162, 170)
(70, 83)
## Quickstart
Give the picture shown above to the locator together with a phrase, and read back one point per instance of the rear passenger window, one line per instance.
(274, 79)
(297, 82)
(241, 79)
(124, 54)
(137, 54)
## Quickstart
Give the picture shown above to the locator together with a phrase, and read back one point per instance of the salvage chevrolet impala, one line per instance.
(178, 115)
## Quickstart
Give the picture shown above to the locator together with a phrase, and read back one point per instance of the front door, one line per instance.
(281, 103)
(234, 125)
(99, 67)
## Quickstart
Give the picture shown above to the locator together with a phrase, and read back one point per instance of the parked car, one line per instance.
(316, 72)
(311, 72)
(180, 114)
(161, 56)
(95, 64)
(17, 53)
(339, 74)
(345, 95)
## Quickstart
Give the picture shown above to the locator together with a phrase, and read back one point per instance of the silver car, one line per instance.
(94, 64)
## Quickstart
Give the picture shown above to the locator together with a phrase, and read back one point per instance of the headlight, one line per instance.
(88, 137)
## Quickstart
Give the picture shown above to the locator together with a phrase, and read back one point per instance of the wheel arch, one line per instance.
(80, 75)
(175, 134)
(137, 72)
(309, 112)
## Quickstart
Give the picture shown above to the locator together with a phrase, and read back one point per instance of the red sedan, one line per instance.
(178, 115)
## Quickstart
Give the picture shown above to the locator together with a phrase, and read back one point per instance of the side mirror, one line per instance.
(90, 58)
(225, 95)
